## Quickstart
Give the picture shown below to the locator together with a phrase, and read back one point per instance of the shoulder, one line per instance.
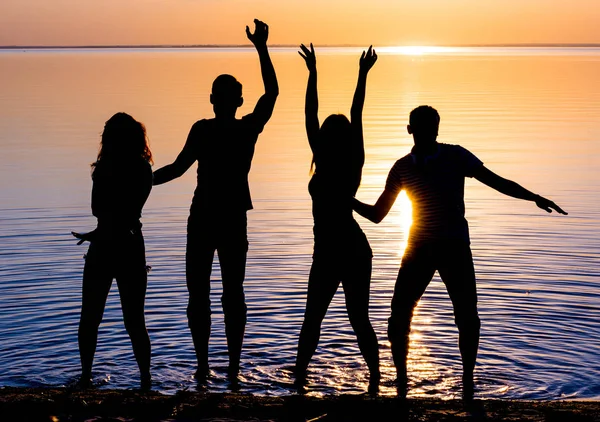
(201, 125)
(145, 167)
(456, 150)
(200, 130)
(453, 149)
(398, 172)
(462, 155)
(252, 122)
(97, 170)
(138, 166)
(402, 162)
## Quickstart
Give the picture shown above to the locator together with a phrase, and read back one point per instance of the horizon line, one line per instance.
(157, 46)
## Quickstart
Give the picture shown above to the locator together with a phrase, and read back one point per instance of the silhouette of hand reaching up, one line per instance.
(261, 33)
(309, 57)
(368, 59)
(548, 205)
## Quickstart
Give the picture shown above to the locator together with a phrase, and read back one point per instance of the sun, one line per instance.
(404, 220)
(405, 211)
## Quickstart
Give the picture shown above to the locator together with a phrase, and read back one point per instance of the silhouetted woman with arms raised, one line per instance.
(122, 180)
(341, 252)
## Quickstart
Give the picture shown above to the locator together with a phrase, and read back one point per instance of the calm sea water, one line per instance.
(532, 115)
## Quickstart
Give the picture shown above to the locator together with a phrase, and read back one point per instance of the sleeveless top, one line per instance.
(119, 192)
(336, 232)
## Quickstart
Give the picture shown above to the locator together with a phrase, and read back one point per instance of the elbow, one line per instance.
(378, 215)
(377, 219)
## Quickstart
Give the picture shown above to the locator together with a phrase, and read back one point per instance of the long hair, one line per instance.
(123, 138)
(334, 146)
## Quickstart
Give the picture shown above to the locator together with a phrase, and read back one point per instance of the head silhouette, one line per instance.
(226, 95)
(123, 138)
(333, 154)
(424, 123)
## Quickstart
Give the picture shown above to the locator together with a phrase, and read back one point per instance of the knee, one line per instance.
(89, 321)
(360, 323)
(312, 320)
(399, 321)
(233, 300)
(234, 305)
(468, 322)
(198, 310)
(135, 324)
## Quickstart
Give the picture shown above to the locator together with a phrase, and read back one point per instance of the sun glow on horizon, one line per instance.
(417, 50)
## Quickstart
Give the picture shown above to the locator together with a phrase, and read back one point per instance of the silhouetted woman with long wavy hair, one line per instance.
(341, 252)
(122, 180)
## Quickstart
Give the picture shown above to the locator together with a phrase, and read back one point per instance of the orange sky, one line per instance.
(380, 22)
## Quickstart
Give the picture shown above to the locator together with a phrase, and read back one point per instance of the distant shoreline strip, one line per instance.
(224, 46)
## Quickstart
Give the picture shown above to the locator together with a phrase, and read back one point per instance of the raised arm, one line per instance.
(183, 161)
(311, 105)
(367, 60)
(510, 188)
(266, 103)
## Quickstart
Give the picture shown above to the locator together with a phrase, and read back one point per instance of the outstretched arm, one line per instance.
(266, 103)
(311, 105)
(183, 161)
(367, 60)
(510, 188)
(377, 212)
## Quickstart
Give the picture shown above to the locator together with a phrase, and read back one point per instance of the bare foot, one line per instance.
(374, 379)
(468, 387)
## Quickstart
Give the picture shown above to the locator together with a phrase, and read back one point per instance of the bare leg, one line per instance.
(132, 290)
(199, 259)
(415, 273)
(357, 289)
(322, 286)
(233, 271)
(458, 274)
(96, 285)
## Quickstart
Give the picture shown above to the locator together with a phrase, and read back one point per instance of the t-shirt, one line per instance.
(224, 150)
(435, 188)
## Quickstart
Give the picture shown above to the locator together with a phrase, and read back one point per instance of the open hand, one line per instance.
(84, 237)
(309, 57)
(547, 205)
(368, 59)
(261, 33)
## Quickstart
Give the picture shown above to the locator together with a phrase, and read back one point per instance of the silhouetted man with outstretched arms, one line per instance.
(433, 176)
(223, 147)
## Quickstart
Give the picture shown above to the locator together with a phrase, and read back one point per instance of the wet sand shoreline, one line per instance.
(61, 404)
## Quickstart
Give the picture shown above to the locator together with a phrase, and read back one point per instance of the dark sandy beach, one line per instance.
(38, 404)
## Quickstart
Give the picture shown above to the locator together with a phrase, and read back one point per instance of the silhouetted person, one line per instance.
(223, 147)
(433, 176)
(341, 252)
(122, 180)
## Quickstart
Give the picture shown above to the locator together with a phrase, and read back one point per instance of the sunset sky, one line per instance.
(380, 22)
